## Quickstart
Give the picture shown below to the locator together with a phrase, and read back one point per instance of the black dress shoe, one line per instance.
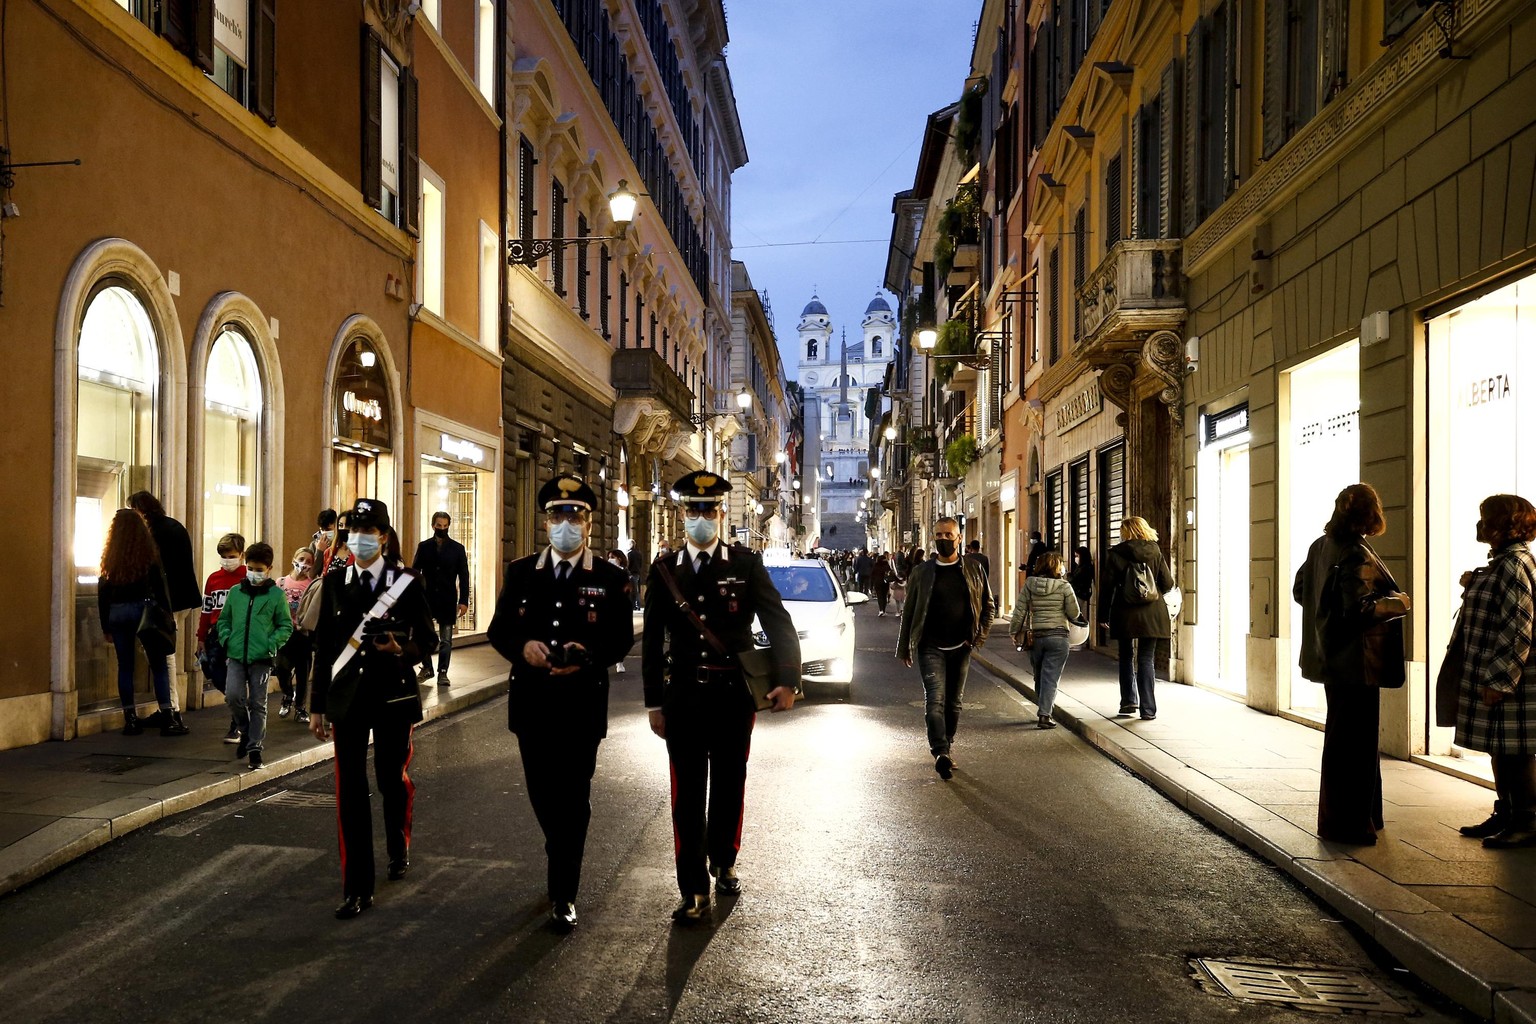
(1514, 838)
(944, 766)
(562, 917)
(398, 868)
(727, 882)
(693, 909)
(1044, 722)
(352, 906)
(1497, 822)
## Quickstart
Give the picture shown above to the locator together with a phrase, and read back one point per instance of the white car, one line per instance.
(823, 617)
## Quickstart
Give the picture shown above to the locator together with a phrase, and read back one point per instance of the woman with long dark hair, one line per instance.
(1352, 643)
(132, 577)
(1136, 577)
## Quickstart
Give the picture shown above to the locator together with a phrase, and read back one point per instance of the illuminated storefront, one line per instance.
(456, 475)
(116, 424)
(232, 427)
(362, 457)
(1221, 562)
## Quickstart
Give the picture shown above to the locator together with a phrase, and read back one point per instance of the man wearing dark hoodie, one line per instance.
(253, 628)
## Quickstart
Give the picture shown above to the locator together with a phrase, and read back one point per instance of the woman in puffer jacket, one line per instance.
(1046, 605)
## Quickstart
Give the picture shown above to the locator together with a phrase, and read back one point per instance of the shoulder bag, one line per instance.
(756, 665)
(157, 630)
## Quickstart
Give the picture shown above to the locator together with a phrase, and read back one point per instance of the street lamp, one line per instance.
(874, 472)
(780, 457)
(743, 399)
(622, 204)
(796, 485)
(890, 432)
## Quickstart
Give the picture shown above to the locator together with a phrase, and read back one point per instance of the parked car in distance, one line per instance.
(823, 615)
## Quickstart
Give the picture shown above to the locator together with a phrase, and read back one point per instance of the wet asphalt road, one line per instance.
(1044, 883)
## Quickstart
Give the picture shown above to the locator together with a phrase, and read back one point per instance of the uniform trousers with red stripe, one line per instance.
(391, 758)
(709, 736)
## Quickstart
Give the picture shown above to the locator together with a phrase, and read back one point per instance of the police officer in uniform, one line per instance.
(374, 627)
(563, 618)
(698, 700)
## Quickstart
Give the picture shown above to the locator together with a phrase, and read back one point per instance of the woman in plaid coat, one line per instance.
(1496, 705)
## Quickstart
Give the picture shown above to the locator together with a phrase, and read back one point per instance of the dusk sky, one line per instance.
(833, 95)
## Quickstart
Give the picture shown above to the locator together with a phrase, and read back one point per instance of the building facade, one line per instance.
(758, 460)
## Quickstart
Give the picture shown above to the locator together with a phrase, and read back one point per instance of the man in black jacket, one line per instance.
(374, 625)
(698, 699)
(181, 579)
(444, 567)
(562, 619)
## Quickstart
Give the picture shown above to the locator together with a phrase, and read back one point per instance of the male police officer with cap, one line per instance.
(698, 698)
(374, 626)
(564, 616)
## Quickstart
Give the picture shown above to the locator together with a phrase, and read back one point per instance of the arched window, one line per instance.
(231, 442)
(810, 349)
(118, 368)
(875, 348)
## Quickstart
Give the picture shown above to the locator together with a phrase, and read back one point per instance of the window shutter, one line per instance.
(1138, 171)
(410, 167)
(1275, 32)
(1225, 72)
(557, 232)
(264, 60)
(525, 186)
(373, 126)
(603, 262)
(623, 310)
(582, 267)
(188, 26)
(1398, 15)
(1168, 152)
(1334, 48)
(1190, 186)
(1053, 305)
(1079, 267)
(202, 34)
(1114, 199)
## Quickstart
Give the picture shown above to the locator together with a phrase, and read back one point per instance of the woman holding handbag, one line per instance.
(1046, 607)
(1495, 679)
(131, 589)
(1352, 643)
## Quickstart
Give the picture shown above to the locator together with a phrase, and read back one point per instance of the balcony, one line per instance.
(654, 406)
(1138, 288)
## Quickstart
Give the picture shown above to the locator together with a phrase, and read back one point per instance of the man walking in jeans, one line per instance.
(947, 614)
(444, 567)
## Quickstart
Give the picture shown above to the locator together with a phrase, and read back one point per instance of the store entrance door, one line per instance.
(1221, 655)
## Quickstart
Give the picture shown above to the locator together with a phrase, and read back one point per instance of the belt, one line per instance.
(706, 674)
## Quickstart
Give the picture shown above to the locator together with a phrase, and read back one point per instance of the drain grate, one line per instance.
(295, 798)
(1325, 988)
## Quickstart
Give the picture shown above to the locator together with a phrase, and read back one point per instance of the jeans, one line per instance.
(245, 691)
(1048, 657)
(634, 589)
(123, 628)
(1138, 673)
(444, 649)
(943, 675)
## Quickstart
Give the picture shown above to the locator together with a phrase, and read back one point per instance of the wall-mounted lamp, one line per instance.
(890, 433)
(622, 204)
(743, 399)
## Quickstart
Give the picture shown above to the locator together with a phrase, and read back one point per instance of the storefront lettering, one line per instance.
(368, 408)
(461, 449)
(1489, 389)
(1081, 406)
(1329, 427)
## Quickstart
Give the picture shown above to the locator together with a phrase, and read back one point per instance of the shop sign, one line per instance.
(368, 408)
(1328, 427)
(389, 125)
(1082, 406)
(1488, 389)
(363, 413)
(464, 451)
(229, 21)
(1225, 424)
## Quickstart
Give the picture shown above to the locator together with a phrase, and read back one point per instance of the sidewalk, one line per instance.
(1460, 917)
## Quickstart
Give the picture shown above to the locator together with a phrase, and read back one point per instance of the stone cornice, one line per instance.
(1380, 92)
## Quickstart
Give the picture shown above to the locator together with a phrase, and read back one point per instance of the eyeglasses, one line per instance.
(566, 517)
(702, 513)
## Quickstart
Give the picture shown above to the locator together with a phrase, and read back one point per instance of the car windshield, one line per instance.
(802, 583)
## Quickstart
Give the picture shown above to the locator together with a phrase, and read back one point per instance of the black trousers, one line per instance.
(559, 775)
(709, 736)
(391, 759)
(292, 668)
(1514, 782)
(1349, 798)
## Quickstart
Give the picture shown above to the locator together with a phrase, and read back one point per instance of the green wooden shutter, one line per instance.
(264, 60)
(410, 164)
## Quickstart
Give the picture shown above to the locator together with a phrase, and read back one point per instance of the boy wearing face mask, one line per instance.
(563, 617)
(210, 654)
(252, 629)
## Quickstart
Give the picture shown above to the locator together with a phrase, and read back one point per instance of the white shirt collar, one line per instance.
(694, 551)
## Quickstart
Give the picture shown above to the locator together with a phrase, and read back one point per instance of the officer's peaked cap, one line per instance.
(368, 512)
(702, 489)
(566, 492)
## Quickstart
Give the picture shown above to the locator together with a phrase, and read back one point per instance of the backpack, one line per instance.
(307, 616)
(1139, 585)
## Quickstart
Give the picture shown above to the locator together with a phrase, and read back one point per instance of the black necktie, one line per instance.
(562, 571)
(702, 562)
(366, 579)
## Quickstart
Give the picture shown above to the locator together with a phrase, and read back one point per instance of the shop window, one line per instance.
(118, 368)
(485, 50)
(232, 405)
(490, 288)
(231, 51)
(431, 264)
(364, 425)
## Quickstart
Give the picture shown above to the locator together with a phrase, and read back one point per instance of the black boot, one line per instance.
(173, 725)
(131, 726)
(1496, 823)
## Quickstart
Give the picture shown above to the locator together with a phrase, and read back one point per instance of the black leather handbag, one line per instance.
(157, 630)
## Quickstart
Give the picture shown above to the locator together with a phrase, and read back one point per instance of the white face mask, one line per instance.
(301, 568)
(328, 536)
(256, 576)
(230, 564)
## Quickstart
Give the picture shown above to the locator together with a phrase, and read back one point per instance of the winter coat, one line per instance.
(1353, 636)
(444, 572)
(255, 623)
(1148, 621)
(1498, 614)
(149, 587)
(1047, 604)
(176, 558)
(914, 612)
(215, 592)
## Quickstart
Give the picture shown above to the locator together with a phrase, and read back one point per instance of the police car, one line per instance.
(823, 615)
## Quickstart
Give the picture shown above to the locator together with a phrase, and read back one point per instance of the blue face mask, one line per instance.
(365, 546)
(701, 531)
(566, 537)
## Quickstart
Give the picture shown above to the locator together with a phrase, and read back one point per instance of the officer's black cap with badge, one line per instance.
(567, 493)
(368, 512)
(702, 490)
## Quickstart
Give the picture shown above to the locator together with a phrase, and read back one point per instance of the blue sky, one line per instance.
(833, 96)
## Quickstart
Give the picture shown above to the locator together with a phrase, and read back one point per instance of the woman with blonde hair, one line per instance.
(1046, 605)
(131, 579)
(1135, 579)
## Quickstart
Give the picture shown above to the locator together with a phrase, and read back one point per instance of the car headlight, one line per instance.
(826, 633)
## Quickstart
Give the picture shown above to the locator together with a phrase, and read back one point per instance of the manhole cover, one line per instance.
(1329, 988)
(293, 798)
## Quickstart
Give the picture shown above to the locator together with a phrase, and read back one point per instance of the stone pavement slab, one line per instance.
(1461, 917)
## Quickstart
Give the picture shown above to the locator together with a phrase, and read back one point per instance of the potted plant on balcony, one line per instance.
(968, 123)
(954, 340)
(959, 454)
(922, 440)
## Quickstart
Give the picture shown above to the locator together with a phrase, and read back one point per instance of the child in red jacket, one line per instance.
(210, 655)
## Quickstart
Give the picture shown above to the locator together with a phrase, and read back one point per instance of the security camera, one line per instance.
(10, 210)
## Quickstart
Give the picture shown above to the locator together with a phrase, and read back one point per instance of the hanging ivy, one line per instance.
(959, 454)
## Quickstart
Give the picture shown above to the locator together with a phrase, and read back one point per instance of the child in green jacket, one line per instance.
(252, 629)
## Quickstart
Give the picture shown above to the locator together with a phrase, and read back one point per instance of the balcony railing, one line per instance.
(642, 373)
(1139, 287)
